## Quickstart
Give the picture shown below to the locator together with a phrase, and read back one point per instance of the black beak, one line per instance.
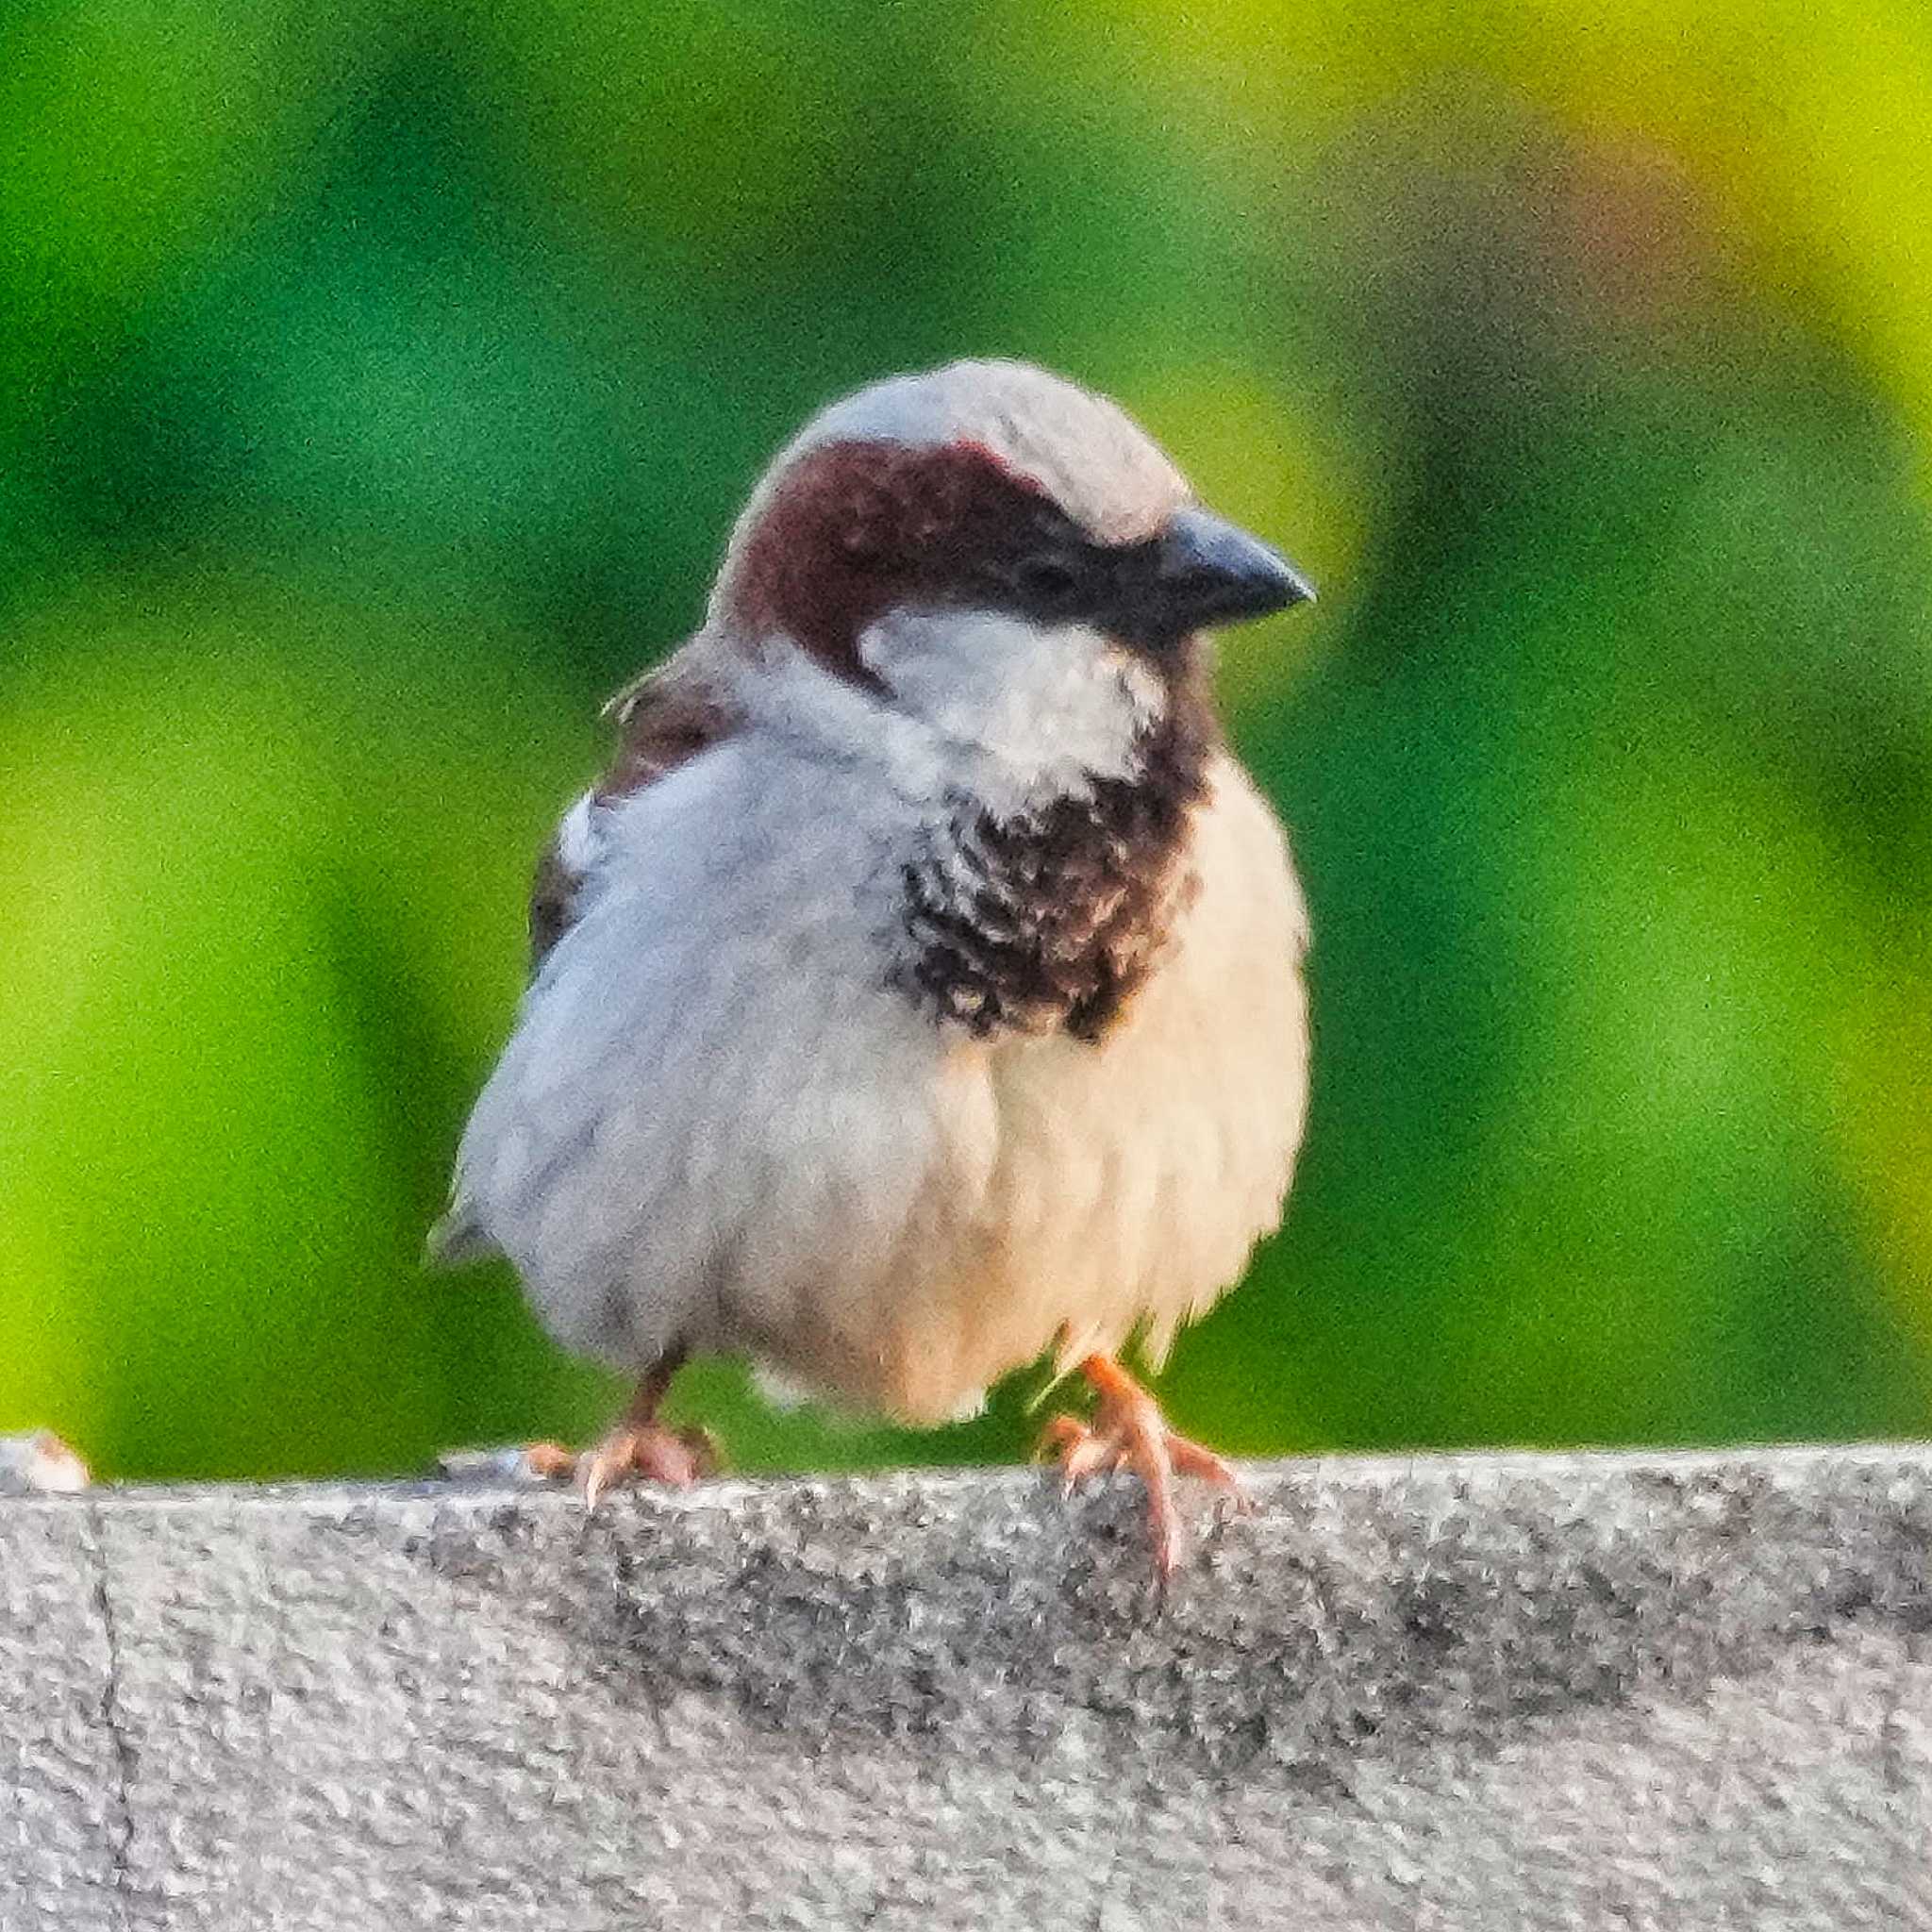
(1207, 572)
(1201, 571)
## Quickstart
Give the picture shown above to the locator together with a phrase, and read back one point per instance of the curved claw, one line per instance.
(1080, 1451)
(653, 1452)
(1129, 1432)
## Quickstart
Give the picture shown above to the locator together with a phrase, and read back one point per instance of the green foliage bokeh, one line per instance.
(377, 386)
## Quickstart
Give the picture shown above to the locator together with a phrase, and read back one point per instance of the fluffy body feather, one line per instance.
(724, 1122)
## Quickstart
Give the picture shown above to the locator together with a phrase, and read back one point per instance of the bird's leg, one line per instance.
(638, 1445)
(1129, 1432)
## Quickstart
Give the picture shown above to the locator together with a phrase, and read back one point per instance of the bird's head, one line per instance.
(977, 544)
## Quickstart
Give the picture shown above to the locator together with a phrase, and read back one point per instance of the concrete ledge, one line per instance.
(1496, 1693)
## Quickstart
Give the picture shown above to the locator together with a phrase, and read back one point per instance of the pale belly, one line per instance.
(1079, 1192)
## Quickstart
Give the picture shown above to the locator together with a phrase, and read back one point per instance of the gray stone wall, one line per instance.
(1490, 1692)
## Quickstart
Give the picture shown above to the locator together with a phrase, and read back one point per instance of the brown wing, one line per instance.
(553, 901)
(664, 719)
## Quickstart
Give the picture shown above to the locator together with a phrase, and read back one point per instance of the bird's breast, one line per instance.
(1049, 917)
(1078, 1189)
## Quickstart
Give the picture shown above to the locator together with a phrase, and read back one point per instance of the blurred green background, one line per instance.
(377, 382)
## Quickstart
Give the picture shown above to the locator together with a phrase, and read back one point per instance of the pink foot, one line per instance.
(1129, 1432)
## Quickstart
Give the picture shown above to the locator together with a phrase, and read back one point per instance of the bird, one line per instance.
(920, 994)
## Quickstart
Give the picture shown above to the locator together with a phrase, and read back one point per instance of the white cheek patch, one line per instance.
(1053, 707)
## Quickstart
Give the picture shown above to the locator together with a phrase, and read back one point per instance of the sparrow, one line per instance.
(920, 993)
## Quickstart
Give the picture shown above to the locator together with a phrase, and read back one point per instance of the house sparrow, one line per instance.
(921, 990)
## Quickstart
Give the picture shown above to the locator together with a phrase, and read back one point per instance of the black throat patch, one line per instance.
(1050, 921)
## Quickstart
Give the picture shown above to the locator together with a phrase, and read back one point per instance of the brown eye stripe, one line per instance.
(857, 528)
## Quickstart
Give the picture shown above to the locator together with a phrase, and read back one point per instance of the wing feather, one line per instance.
(664, 719)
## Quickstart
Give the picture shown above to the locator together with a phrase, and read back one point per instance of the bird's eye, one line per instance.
(1047, 583)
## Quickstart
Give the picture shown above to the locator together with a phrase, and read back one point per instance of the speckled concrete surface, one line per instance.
(1492, 1693)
